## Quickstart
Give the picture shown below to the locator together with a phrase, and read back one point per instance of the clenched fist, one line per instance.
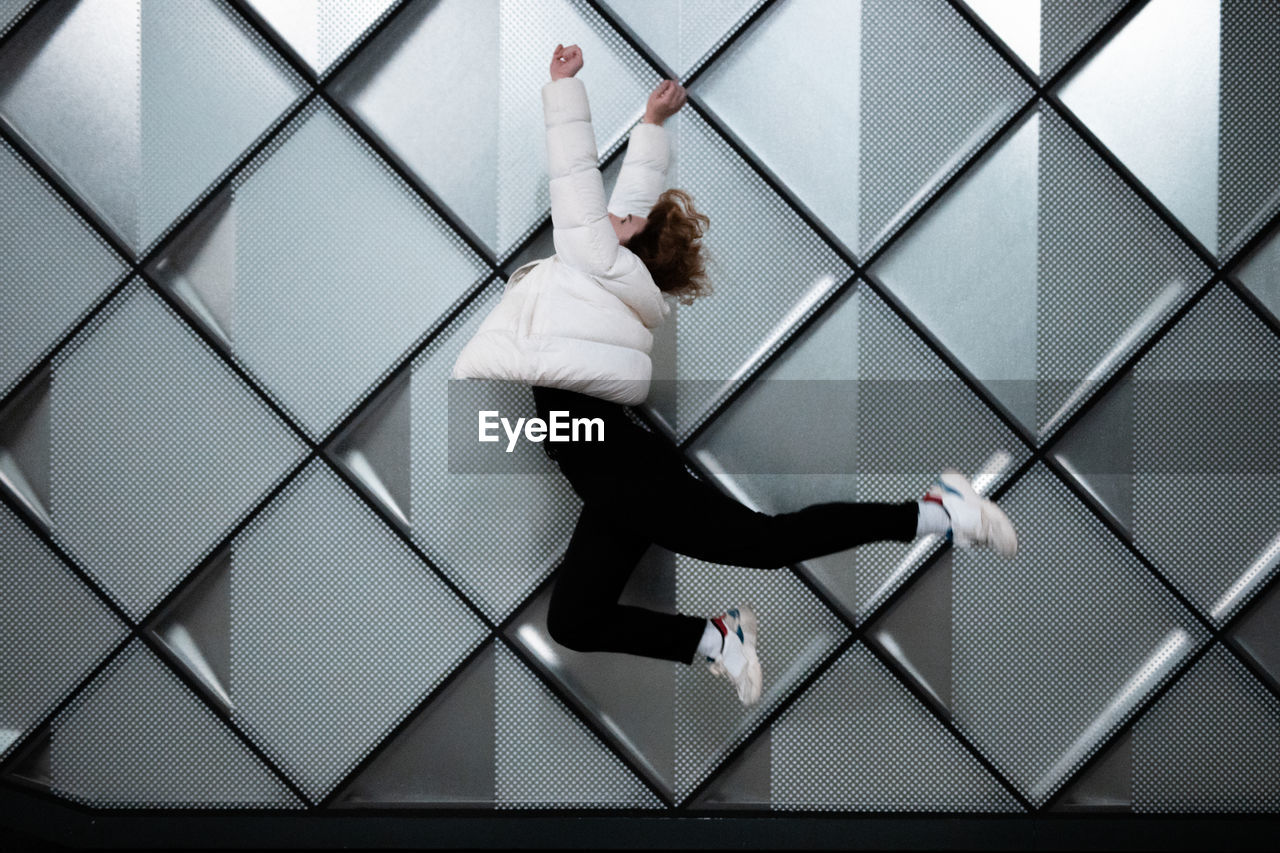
(566, 61)
(664, 102)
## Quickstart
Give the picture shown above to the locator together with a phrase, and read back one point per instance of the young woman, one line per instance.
(577, 326)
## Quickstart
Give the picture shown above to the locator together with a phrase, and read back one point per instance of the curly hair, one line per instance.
(671, 246)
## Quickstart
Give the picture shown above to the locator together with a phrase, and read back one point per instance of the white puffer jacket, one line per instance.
(581, 319)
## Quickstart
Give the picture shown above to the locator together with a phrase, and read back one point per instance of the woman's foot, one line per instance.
(737, 660)
(974, 520)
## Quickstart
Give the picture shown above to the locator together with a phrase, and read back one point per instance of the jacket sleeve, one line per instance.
(580, 228)
(643, 175)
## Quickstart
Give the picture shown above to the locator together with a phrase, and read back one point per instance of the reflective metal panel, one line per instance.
(1072, 272)
(1211, 744)
(320, 269)
(632, 699)
(479, 142)
(857, 740)
(1073, 633)
(157, 449)
(444, 757)
(874, 388)
(137, 737)
(1205, 401)
(54, 267)
(52, 630)
(1258, 633)
(918, 91)
(1045, 34)
(546, 757)
(1185, 97)
(141, 106)
(681, 33)
(330, 644)
(1260, 272)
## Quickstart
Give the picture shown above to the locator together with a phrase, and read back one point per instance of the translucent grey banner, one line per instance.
(1199, 428)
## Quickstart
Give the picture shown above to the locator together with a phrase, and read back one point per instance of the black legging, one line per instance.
(637, 492)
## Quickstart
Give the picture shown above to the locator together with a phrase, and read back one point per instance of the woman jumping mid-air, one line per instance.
(577, 326)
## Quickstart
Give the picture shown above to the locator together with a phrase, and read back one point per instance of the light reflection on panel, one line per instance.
(479, 142)
(53, 630)
(319, 268)
(876, 390)
(1092, 633)
(682, 33)
(150, 430)
(53, 267)
(767, 268)
(1041, 271)
(162, 97)
(321, 31)
(918, 91)
(495, 534)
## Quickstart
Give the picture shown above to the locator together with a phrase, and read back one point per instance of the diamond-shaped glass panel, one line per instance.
(1074, 630)
(479, 142)
(680, 33)
(54, 267)
(918, 91)
(52, 630)
(321, 32)
(495, 534)
(137, 737)
(156, 448)
(1185, 95)
(337, 629)
(319, 268)
(1198, 402)
(1041, 271)
(1211, 744)
(141, 106)
(876, 389)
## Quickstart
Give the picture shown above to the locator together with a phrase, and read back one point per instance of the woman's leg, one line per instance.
(697, 519)
(584, 613)
(642, 481)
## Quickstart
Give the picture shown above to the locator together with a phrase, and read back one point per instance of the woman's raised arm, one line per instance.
(583, 235)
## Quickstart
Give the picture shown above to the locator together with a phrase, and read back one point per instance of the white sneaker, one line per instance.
(974, 520)
(737, 660)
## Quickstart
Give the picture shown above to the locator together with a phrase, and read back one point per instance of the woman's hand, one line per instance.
(566, 61)
(664, 102)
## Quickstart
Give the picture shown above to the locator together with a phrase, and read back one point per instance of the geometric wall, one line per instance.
(243, 242)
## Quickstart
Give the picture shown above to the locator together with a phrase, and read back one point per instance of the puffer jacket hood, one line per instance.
(581, 319)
